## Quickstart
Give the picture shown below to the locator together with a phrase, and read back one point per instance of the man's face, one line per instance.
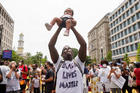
(67, 53)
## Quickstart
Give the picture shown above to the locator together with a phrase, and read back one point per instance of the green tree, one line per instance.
(75, 52)
(126, 58)
(28, 59)
(138, 53)
(109, 56)
(36, 59)
(43, 60)
(88, 60)
(16, 57)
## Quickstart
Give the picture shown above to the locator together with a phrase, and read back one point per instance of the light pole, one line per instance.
(101, 53)
(1, 29)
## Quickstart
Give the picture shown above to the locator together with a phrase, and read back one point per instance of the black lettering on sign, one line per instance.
(68, 84)
(67, 75)
(69, 66)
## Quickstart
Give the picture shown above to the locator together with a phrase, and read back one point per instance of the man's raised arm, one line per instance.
(83, 46)
(53, 52)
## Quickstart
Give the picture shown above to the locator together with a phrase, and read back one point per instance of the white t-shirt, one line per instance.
(69, 77)
(36, 82)
(103, 74)
(68, 16)
(113, 85)
(4, 70)
(12, 82)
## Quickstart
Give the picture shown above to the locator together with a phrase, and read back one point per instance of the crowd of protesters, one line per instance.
(20, 78)
(107, 76)
(97, 78)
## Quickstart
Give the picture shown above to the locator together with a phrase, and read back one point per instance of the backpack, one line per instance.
(1, 76)
(60, 64)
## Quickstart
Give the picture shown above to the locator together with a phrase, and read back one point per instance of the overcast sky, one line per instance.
(31, 15)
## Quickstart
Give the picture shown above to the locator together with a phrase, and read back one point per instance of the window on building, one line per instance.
(128, 21)
(131, 47)
(124, 16)
(120, 51)
(115, 37)
(111, 25)
(123, 49)
(111, 32)
(126, 5)
(136, 6)
(113, 17)
(121, 34)
(116, 14)
(112, 39)
(138, 15)
(120, 19)
(127, 13)
(125, 32)
(134, 27)
(135, 36)
(127, 48)
(132, 10)
(130, 2)
(116, 21)
(110, 18)
(124, 23)
(129, 30)
(119, 11)
(130, 38)
(138, 25)
(120, 26)
(117, 52)
(122, 8)
(119, 43)
(139, 35)
(126, 40)
(133, 18)
(122, 41)
(116, 44)
(136, 46)
(115, 30)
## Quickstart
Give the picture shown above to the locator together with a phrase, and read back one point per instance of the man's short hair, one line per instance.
(66, 46)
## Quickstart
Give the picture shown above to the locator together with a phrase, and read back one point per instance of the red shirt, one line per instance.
(23, 68)
(137, 74)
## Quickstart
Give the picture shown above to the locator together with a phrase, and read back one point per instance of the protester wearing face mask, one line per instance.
(103, 76)
(126, 74)
(115, 72)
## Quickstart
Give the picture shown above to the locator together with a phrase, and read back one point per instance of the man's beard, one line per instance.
(68, 56)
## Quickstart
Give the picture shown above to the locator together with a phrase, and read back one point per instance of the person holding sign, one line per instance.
(114, 75)
(69, 71)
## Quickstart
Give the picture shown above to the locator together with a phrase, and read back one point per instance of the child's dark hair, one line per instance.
(71, 10)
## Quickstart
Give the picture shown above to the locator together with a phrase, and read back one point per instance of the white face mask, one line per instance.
(114, 67)
(104, 65)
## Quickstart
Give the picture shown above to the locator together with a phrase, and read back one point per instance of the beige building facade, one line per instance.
(124, 24)
(99, 40)
(7, 30)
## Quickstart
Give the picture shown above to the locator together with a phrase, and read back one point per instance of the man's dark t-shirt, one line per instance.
(50, 84)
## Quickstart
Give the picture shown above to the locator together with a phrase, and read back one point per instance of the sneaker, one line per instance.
(66, 33)
(48, 26)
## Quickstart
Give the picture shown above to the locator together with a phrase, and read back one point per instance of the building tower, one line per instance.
(20, 45)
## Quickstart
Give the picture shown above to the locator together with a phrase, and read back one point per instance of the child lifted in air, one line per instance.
(65, 21)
